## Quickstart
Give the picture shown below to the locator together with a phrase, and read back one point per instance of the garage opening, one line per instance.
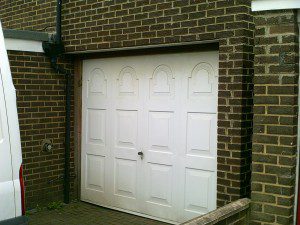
(149, 134)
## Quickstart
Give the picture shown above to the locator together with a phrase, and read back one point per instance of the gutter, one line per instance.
(54, 49)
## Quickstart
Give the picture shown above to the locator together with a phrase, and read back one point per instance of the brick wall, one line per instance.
(234, 213)
(92, 25)
(28, 15)
(275, 117)
(41, 109)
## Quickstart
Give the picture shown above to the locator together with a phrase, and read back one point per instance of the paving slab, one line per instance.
(81, 213)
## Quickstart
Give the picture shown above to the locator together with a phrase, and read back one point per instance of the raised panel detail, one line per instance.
(159, 184)
(128, 82)
(161, 130)
(125, 177)
(96, 126)
(198, 186)
(97, 83)
(95, 172)
(126, 128)
(200, 80)
(162, 82)
(199, 133)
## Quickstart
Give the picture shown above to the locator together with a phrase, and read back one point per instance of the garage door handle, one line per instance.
(141, 154)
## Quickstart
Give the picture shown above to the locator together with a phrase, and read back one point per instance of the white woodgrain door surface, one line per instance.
(149, 134)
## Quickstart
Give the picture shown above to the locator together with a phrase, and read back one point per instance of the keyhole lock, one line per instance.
(141, 154)
(47, 145)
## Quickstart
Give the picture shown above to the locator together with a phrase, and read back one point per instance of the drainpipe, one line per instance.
(54, 49)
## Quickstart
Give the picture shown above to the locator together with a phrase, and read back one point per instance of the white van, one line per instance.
(12, 203)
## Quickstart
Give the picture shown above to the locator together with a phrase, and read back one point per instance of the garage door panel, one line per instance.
(97, 84)
(93, 183)
(162, 83)
(123, 104)
(95, 103)
(96, 131)
(203, 105)
(126, 129)
(95, 172)
(200, 134)
(162, 105)
(96, 87)
(197, 162)
(201, 81)
(161, 131)
(159, 174)
(128, 83)
(126, 153)
(125, 121)
(125, 177)
(94, 142)
(165, 158)
(198, 186)
(159, 190)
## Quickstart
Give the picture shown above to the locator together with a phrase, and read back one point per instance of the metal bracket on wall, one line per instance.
(47, 145)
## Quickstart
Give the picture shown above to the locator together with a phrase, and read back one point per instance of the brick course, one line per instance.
(41, 109)
(275, 117)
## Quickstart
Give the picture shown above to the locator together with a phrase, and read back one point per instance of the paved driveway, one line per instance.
(81, 213)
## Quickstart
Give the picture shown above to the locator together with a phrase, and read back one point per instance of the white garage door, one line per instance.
(149, 134)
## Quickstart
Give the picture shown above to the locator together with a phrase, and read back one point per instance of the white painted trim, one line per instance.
(298, 138)
(262, 5)
(23, 45)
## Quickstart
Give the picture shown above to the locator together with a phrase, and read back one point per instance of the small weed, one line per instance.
(55, 205)
(38, 208)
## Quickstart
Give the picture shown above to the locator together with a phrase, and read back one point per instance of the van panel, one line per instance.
(10, 146)
(11, 109)
(7, 197)
(7, 203)
(1, 132)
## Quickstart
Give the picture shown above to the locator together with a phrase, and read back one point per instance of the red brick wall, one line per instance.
(275, 117)
(41, 109)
